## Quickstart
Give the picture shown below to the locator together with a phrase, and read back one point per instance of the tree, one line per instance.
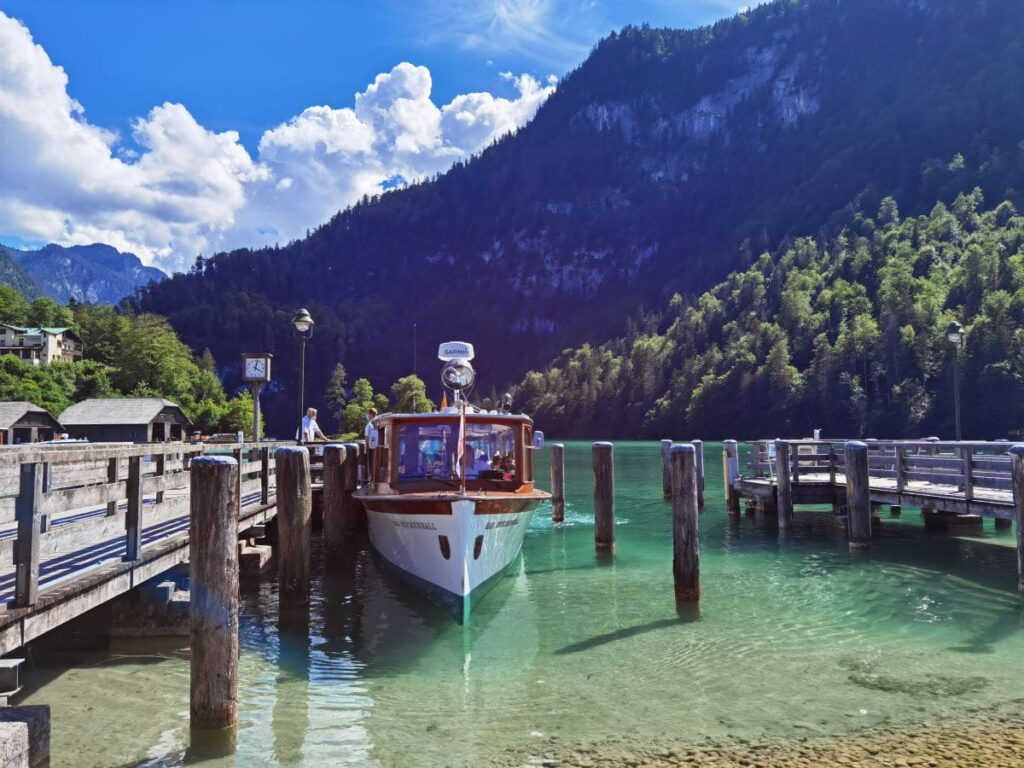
(336, 393)
(47, 313)
(362, 400)
(13, 307)
(206, 361)
(409, 395)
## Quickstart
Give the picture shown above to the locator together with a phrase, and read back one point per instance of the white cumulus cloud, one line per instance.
(183, 189)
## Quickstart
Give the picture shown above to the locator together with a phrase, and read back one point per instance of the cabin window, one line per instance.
(435, 451)
(490, 451)
(527, 455)
(426, 451)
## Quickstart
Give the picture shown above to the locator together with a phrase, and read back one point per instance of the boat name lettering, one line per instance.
(501, 524)
(413, 524)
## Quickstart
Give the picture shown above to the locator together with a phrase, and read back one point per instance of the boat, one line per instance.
(449, 494)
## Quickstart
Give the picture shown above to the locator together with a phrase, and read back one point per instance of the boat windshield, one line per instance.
(432, 450)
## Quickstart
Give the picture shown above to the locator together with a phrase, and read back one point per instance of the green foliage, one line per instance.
(337, 393)
(409, 395)
(13, 307)
(362, 400)
(45, 312)
(55, 386)
(846, 335)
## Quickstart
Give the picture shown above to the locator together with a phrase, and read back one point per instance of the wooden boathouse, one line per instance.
(23, 422)
(126, 420)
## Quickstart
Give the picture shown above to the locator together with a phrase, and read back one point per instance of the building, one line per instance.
(22, 422)
(40, 346)
(126, 420)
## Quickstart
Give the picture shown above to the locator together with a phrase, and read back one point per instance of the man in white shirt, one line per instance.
(370, 416)
(310, 429)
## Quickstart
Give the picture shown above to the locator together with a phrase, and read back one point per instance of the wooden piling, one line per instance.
(784, 480)
(685, 536)
(213, 601)
(858, 495)
(557, 483)
(698, 447)
(604, 497)
(335, 458)
(731, 472)
(354, 515)
(1017, 470)
(666, 468)
(294, 523)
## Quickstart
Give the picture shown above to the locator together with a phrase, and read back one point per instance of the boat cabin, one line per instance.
(428, 452)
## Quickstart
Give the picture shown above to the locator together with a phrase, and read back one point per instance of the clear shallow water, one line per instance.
(795, 637)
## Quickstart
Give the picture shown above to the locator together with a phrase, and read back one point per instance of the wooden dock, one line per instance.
(81, 524)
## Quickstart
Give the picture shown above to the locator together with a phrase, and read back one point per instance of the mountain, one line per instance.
(667, 160)
(13, 275)
(90, 273)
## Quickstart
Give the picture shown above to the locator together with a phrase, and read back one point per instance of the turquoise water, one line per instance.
(795, 637)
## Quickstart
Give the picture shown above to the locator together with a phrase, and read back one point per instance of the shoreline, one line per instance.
(988, 738)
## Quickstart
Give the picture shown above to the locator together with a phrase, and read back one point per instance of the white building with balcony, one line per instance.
(40, 346)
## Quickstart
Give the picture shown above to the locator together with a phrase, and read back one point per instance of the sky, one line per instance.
(173, 129)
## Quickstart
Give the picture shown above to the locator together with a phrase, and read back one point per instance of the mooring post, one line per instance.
(354, 515)
(666, 468)
(698, 447)
(1017, 468)
(604, 497)
(685, 535)
(26, 546)
(294, 523)
(731, 472)
(784, 480)
(335, 458)
(858, 495)
(213, 600)
(557, 483)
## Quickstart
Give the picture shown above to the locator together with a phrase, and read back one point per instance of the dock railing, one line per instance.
(65, 510)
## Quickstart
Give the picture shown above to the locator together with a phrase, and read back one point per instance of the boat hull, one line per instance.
(454, 549)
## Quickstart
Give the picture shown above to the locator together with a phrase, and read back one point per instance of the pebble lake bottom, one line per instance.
(800, 649)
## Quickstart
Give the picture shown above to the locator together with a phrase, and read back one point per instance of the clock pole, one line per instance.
(256, 411)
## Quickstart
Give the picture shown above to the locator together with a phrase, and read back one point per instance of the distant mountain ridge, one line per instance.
(94, 273)
(667, 160)
(13, 275)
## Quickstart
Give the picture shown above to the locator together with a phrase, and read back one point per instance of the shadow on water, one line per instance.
(290, 717)
(626, 632)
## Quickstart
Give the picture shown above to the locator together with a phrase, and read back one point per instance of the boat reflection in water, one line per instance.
(450, 494)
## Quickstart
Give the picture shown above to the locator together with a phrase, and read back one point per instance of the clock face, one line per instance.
(256, 368)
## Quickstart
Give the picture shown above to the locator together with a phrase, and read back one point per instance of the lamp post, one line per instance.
(303, 325)
(955, 335)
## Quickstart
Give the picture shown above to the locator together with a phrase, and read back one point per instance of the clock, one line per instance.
(256, 367)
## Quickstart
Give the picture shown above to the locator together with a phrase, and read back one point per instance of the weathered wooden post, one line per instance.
(26, 546)
(335, 458)
(604, 497)
(858, 495)
(685, 535)
(133, 515)
(666, 468)
(294, 523)
(264, 475)
(557, 483)
(354, 514)
(698, 447)
(1017, 469)
(784, 483)
(731, 472)
(213, 601)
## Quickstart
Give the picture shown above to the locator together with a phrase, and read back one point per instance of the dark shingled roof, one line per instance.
(115, 410)
(13, 411)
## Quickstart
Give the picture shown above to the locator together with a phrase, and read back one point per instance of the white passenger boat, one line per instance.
(450, 493)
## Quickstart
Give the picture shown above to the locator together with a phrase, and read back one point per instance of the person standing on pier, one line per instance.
(370, 416)
(310, 430)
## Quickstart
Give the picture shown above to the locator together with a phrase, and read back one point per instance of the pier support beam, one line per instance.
(335, 459)
(294, 524)
(1017, 471)
(731, 472)
(784, 476)
(685, 541)
(666, 468)
(213, 611)
(858, 495)
(604, 497)
(698, 448)
(557, 483)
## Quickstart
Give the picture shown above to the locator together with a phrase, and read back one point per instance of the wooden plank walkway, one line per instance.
(81, 525)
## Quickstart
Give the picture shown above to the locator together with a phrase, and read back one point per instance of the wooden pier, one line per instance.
(951, 481)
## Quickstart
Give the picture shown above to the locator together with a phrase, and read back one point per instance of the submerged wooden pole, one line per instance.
(1017, 470)
(666, 468)
(604, 497)
(335, 458)
(698, 447)
(731, 471)
(858, 495)
(213, 601)
(784, 483)
(685, 541)
(294, 524)
(557, 483)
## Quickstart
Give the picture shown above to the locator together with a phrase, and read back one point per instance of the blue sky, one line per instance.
(253, 66)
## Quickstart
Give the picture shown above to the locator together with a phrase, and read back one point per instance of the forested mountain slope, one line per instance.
(665, 161)
(847, 335)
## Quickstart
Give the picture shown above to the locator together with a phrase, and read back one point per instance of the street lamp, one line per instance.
(955, 335)
(303, 325)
